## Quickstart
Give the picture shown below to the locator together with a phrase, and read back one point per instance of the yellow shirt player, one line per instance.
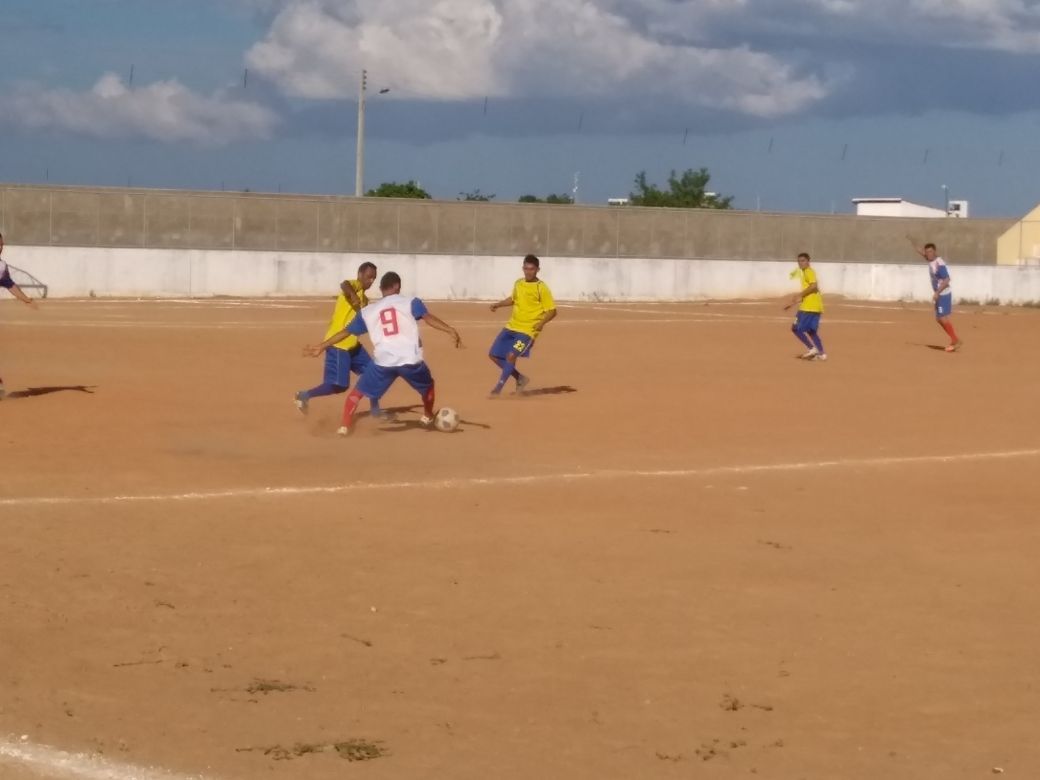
(533, 308)
(348, 355)
(810, 306)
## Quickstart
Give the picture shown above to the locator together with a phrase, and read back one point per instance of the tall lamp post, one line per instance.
(359, 156)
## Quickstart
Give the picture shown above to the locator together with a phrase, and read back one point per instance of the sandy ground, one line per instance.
(685, 554)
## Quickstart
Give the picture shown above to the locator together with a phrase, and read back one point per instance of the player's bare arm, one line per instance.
(800, 296)
(314, 350)
(17, 292)
(917, 248)
(548, 317)
(350, 294)
(502, 303)
(438, 324)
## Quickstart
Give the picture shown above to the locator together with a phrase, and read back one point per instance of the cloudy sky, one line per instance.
(794, 105)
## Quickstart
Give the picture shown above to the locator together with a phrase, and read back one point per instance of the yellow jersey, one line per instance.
(814, 301)
(343, 314)
(530, 301)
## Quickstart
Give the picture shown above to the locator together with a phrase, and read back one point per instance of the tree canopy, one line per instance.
(393, 189)
(686, 191)
(475, 195)
(551, 198)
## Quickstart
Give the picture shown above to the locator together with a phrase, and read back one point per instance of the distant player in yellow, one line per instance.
(533, 308)
(810, 306)
(348, 355)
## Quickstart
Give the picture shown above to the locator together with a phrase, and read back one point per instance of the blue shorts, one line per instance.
(509, 341)
(377, 379)
(340, 362)
(806, 322)
(944, 306)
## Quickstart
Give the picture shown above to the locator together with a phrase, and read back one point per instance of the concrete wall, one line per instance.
(179, 273)
(168, 219)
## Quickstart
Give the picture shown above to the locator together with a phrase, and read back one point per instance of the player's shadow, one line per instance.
(937, 347)
(557, 390)
(398, 424)
(32, 392)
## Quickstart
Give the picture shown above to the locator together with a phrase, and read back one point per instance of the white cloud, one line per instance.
(163, 111)
(468, 49)
(998, 25)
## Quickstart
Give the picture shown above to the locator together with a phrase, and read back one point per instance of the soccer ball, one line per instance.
(446, 420)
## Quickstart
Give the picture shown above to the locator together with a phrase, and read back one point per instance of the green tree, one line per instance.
(393, 189)
(551, 198)
(475, 195)
(687, 191)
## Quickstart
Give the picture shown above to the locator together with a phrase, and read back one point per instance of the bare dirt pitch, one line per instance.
(686, 554)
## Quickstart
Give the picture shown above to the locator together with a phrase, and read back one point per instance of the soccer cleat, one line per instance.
(819, 356)
(810, 354)
(522, 382)
(425, 421)
(343, 431)
(954, 346)
(301, 401)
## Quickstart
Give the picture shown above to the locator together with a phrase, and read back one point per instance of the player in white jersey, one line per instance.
(392, 323)
(942, 293)
(8, 284)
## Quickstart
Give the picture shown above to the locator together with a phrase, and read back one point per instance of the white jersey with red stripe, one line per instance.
(393, 325)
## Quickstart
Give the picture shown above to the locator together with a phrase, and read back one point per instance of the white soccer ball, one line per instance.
(446, 420)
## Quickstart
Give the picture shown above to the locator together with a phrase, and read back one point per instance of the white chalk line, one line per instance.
(693, 318)
(526, 479)
(55, 763)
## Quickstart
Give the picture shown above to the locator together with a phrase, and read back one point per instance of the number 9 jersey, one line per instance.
(393, 325)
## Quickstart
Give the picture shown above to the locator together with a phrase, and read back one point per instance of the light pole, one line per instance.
(946, 197)
(359, 155)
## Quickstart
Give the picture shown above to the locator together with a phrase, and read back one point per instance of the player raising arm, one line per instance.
(392, 323)
(810, 308)
(942, 293)
(533, 308)
(8, 284)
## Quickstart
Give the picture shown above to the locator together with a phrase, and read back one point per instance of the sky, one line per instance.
(792, 105)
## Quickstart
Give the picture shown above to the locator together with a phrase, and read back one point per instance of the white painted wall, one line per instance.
(75, 272)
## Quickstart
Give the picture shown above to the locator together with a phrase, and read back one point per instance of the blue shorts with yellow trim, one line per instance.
(510, 341)
(339, 363)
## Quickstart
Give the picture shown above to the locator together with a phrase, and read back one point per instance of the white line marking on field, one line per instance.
(698, 318)
(51, 762)
(475, 482)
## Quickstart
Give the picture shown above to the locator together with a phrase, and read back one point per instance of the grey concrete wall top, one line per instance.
(118, 217)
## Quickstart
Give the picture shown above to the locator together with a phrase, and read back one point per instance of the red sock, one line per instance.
(427, 401)
(350, 406)
(948, 327)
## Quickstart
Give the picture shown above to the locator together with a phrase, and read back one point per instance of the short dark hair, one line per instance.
(390, 278)
(368, 265)
(929, 246)
(805, 255)
(533, 261)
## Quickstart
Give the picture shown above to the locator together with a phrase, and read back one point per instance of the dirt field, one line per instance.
(686, 554)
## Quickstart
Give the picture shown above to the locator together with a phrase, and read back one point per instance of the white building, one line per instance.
(898, 207)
